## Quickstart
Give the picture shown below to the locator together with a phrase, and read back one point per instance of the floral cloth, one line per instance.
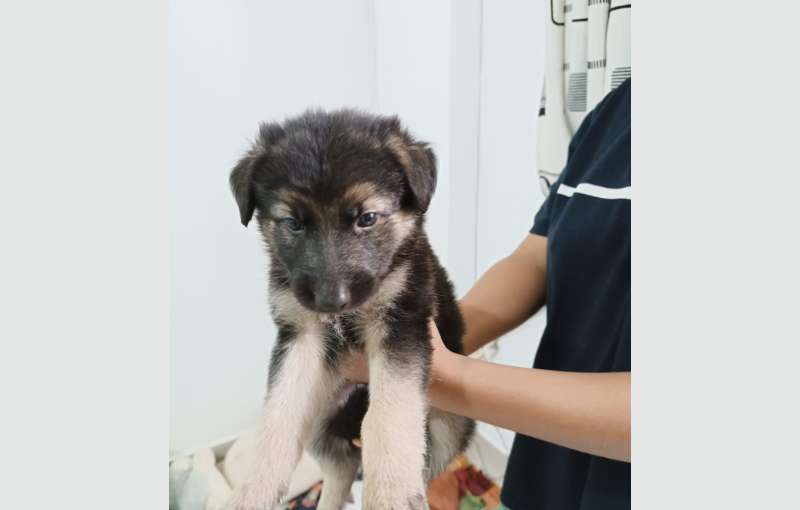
(460, 487)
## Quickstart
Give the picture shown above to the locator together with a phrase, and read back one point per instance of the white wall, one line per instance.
(465, 100)
(509, 195)
(231, 65)
(412, 47)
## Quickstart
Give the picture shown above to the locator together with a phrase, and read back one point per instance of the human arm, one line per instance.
(589, 412)
(508, 294)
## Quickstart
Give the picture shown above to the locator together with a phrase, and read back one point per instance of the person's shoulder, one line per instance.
(601, 147)
(616, 103)
(611, 114)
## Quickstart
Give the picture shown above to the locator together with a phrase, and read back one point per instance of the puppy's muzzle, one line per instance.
(331, 297)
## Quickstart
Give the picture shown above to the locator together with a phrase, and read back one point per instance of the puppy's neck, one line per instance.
(391, 286)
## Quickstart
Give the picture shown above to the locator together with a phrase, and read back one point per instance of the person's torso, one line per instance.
(588, 309)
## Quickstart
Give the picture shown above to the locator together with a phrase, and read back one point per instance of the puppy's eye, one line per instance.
(367, 219)
(293, 225)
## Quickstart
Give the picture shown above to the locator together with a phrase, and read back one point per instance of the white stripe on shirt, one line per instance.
(594, 190)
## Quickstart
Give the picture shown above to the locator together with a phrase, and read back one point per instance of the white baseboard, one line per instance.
(487, 457)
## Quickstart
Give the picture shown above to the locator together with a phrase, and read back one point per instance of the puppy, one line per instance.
(340, 199)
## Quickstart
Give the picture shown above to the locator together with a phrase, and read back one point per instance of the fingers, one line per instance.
(432, 327)
(436, 338)
(434, 331)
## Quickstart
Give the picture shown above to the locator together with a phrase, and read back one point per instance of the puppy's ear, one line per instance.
(419, 166)
(242, 186)
(241, 179)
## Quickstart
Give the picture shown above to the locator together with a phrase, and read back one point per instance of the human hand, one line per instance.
(443, 357)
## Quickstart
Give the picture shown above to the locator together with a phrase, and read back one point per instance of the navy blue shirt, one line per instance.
(586, 219)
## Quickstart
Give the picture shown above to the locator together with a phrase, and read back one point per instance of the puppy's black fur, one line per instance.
(314, 183)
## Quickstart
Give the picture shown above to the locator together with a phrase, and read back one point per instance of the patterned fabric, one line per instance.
(460, 487)
(587, 54)
(306, 501)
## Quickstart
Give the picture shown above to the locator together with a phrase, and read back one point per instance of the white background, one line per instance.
(233, 64)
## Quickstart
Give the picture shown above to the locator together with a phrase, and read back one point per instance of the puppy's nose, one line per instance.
(332, 300)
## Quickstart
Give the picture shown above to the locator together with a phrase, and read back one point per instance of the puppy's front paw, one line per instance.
(255, 495)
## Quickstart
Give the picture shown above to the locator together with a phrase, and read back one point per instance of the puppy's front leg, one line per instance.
(393, 430)
(297, 389)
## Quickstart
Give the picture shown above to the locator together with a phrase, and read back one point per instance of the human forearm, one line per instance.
(589, 412)
(506, 295)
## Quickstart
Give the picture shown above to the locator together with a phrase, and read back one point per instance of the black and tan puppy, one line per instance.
(340, 199)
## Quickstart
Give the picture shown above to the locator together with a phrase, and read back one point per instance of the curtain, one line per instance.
(587, 54)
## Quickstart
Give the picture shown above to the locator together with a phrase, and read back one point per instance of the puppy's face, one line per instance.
(335, 196)
(335, 250)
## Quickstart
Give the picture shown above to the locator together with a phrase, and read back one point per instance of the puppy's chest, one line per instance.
(345, 332)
